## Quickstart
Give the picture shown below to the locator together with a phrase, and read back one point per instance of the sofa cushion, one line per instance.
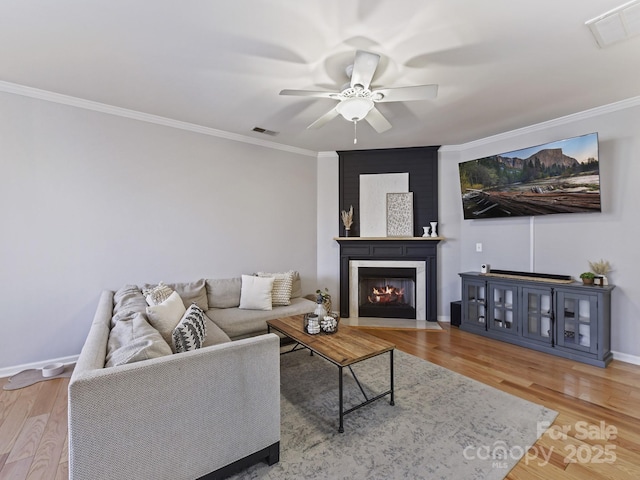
(255, 293)
(134, 340)
(129, 297)
(165, 316)
(157, 294)
(215, 334)
(224, 293)
(191, 331)
(243, 323)
(282, 285)
(296, 289)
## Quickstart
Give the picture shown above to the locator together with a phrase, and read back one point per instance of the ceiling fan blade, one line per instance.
(406, 94)
(377, 120)
(326, 118)
(364, 67)
(309, 93)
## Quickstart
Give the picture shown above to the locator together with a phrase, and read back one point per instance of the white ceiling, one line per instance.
(500, 64)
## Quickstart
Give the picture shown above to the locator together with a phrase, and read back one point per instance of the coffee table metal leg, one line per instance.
(341, 427)
(392, 402)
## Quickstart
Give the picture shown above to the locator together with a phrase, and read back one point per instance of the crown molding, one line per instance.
(574, 117)
(48, 96)
(328, 154)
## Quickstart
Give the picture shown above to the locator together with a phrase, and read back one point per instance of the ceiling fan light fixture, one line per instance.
(355, 108)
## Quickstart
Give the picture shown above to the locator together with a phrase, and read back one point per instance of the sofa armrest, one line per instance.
(175, 417)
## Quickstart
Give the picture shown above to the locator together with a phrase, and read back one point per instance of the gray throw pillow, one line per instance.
(224, 293)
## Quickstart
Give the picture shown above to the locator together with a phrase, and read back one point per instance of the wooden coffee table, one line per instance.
(343, 348)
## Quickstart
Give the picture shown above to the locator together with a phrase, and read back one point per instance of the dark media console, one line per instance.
(550, 314)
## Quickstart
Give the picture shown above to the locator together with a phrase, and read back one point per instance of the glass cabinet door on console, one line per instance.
(502, 304)
(537, 313)
(474, 302)
(577, 321)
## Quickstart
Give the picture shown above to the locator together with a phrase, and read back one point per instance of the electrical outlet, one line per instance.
(478, 247)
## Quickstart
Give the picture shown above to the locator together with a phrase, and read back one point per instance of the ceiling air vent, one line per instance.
(265, 131)
(616, 25)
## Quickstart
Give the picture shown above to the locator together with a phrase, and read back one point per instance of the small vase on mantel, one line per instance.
(347, 232)
(426, 231)
(433, 229)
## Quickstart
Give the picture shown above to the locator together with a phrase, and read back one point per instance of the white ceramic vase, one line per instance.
(433, 229)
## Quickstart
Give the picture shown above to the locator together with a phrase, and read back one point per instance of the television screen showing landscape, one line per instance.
(557, 177)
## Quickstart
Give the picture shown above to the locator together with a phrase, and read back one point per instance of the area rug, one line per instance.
(443, 425)
(34, 375)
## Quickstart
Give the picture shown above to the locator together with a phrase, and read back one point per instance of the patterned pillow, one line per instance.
(191, 331)
(158, 294)
(282, 286)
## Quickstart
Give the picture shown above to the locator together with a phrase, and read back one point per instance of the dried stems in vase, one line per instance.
(603, 267)
(347, 218)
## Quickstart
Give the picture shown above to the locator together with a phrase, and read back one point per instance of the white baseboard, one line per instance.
(625, 357)
(10, 371)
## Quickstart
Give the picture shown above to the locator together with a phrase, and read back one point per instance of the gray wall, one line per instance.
(562, 244)
(91, 201)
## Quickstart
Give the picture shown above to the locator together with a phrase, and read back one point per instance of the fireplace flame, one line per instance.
(386, 294)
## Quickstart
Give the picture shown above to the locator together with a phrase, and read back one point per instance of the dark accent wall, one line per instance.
(420, 162)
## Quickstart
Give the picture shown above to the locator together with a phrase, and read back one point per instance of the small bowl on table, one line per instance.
(329, 323)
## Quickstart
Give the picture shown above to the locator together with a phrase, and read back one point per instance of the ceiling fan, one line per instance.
(357, 100)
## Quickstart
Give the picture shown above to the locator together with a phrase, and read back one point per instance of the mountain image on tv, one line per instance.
(557, 177)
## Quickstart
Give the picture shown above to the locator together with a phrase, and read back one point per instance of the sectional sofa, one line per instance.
(203, 413)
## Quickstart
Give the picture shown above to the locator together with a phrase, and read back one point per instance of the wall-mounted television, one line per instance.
(557, 177)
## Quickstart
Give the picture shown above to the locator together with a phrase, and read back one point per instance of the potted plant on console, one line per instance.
(587, 278)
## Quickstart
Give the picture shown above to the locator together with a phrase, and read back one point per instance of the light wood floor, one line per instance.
(592, 401)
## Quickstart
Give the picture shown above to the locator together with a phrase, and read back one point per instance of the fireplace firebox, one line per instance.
(387, 292)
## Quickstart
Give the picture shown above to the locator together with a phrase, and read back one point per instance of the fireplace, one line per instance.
(387, 292)
(387, 289)
(421, 163)
(408, 264)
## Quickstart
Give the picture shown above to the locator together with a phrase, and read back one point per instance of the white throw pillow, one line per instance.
(166, 315)
(255, 293)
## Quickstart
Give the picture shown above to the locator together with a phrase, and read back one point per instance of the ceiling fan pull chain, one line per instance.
(355, 132)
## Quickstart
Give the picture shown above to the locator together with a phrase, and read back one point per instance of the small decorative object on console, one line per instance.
(601, 269)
